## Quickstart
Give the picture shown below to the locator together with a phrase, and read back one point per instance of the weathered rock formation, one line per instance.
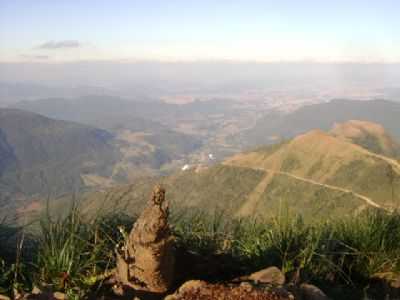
(200, 290)
(146, 261)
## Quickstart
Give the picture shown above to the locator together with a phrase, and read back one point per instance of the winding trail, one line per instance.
(389, 160)
(254, 197)
(332, 187)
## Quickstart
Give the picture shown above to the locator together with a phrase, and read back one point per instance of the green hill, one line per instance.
(317, 174)
(7, 159)
(144, 130)
(40, 156)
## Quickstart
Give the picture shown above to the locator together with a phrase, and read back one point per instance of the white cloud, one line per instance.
(60, 44)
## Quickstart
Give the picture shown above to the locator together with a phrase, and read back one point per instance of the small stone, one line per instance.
(396, 283)
(246, 286)
(390, 278)
(36, 291)
(118, 289)
(311, 292)
(60, 296)
(192, 284)
(17, 294)
(270, 275)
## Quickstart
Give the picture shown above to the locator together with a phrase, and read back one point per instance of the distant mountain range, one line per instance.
(13, 92)
(212, 121)
(114, 112)
(277, 126)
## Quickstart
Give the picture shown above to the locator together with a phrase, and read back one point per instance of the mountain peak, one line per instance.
(369, 135)
(313, 135)
(357, 128)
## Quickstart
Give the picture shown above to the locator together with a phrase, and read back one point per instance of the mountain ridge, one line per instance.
(42, 156)
(368, 135)
(275, 126)
(316, 175)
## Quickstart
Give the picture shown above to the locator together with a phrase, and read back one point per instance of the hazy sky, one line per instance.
(262, 30)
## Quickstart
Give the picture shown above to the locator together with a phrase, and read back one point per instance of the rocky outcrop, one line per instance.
(201, 290)
(146, 261)
(266, 284)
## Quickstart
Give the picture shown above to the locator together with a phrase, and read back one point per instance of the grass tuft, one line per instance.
(72, 252)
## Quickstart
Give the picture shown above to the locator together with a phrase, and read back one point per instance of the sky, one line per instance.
(169, 30)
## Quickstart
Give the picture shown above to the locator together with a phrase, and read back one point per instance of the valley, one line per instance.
(317, 175)
(178, 141)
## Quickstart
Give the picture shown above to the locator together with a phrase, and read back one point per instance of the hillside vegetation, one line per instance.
(41, 156)
(318, 167)
(368, 135)
(317, 175)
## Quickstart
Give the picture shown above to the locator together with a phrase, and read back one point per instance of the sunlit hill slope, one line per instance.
(317, 174)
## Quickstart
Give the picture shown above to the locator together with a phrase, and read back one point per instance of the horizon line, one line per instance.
(194, 61)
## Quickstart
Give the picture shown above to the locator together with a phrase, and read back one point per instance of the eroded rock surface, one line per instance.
(201, 290)
(146, 261)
